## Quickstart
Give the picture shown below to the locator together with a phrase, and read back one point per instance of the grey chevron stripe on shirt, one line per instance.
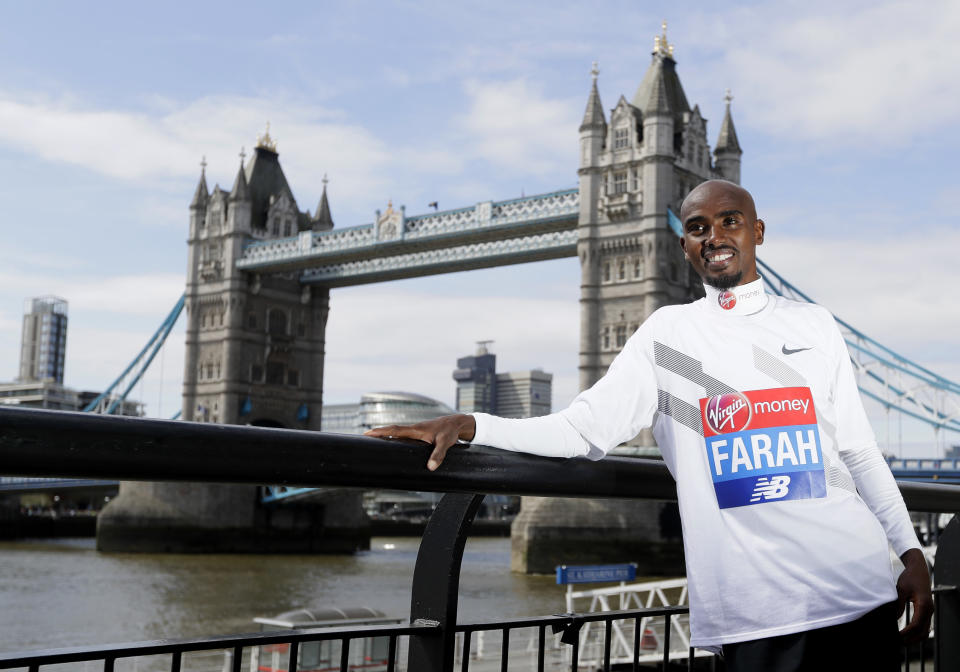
(777, 369)
(681, 411)
(689, 368)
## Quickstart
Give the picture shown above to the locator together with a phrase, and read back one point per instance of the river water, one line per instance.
(57, 593)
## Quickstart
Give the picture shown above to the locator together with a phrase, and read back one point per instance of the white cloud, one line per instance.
(514, 125)
(891, 287)
(383, 338)
(868, 74)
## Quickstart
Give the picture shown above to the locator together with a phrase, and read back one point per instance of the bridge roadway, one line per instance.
(491, 233)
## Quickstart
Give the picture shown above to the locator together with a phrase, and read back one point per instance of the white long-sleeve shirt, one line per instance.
(757, 414)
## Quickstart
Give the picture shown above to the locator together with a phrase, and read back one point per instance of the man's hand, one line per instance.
(914, 586)
(441, 432)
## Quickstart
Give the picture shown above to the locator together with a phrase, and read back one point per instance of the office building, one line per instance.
(476, 377)
(480, 389)
(43, 345)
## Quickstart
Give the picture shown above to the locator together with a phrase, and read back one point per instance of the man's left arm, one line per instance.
(877, 487)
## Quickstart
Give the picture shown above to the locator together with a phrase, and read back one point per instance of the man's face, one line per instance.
(720, 234)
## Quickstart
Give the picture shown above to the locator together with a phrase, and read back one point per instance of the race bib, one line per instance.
(763, 446)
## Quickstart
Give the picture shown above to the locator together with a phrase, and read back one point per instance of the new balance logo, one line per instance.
(774, 487)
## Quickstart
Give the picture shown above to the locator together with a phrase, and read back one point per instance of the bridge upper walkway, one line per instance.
(491, 233)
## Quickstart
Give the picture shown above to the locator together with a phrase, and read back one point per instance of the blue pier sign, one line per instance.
(595, 573)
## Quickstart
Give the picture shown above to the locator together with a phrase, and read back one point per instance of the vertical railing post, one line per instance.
(947, 573)
(436, 581)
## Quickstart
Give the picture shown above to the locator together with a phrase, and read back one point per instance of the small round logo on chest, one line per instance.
(727, 299)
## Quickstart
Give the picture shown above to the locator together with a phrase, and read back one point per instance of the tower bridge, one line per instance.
(260, 272)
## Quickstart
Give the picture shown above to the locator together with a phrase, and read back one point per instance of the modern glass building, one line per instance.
(43, 346)
(377, 409)
(476, 378)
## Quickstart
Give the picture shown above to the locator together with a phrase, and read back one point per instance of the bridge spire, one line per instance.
(201, 194)
(593, 117)
(240, 192)
(323, 221)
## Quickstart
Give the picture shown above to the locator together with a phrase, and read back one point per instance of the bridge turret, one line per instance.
(198, 205)
(727, 151)
(322, 221)
(593, 129)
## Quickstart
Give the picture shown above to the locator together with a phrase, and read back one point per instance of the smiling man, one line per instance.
(787, 504)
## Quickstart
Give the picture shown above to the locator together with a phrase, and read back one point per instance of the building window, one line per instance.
(275, 226)
(275, 371)
(620, 183)
(251, 321)
(209, 370)
(621, 138)
(637, 268)
(256, 373)
(606, 338)
(606, 272)
(634, 180)
(277, 322)
(293, 378)
(301, 330)
(622, 270)
(286, 228)
(218, 369)
(621, 335)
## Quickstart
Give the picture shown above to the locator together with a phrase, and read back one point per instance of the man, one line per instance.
(786, 502)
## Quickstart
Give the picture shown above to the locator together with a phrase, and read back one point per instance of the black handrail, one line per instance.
(55, 443)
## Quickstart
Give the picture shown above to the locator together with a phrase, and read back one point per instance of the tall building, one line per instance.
(476, 377)
(519, 394)
(524, 394)
(43, 345)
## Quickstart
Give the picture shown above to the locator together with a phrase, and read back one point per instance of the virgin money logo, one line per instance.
(727, 299)
(728, 413)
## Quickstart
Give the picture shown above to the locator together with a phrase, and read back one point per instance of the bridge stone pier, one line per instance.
(260, 273)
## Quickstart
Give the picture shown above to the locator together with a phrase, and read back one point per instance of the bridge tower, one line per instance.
(254, 355)
(255, 344)
(633, 169)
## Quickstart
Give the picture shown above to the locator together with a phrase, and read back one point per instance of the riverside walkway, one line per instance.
(72, 445)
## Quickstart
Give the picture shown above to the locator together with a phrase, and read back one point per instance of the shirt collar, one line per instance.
(740, 300)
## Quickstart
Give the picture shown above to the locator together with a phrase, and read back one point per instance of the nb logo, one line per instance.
(774, 487)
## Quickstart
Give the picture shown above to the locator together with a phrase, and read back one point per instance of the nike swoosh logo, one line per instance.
(790, 351)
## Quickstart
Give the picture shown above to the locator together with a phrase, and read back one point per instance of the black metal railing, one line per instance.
(47, 444)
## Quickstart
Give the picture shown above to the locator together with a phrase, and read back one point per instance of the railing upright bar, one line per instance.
(690, 660)
(505, 650)
(345, 654)
(636, 644)
(465, 656)
(436, 581)
(237, 661)
(541, 647)
(294, 655)
(608, 627)
(176, 659)
(575, 654)
(667, 625)
(392, 654)
(108, 664)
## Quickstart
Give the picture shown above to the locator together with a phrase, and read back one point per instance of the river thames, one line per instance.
(57, 593)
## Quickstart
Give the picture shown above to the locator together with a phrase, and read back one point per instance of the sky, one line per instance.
(846, 113)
